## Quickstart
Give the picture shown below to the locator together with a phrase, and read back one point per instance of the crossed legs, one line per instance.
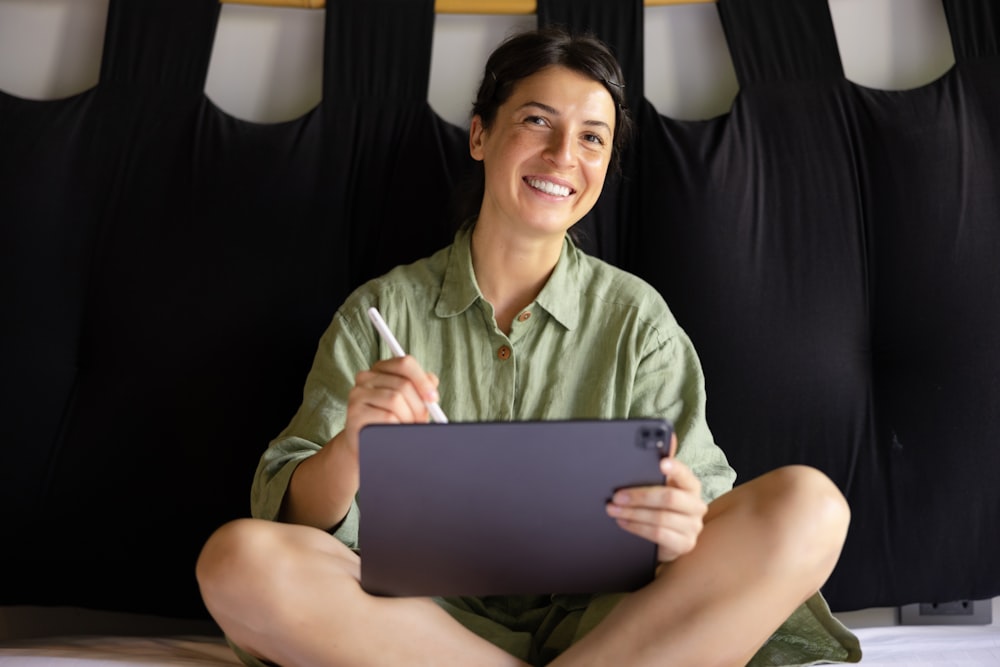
(291, 594)
(767, 546)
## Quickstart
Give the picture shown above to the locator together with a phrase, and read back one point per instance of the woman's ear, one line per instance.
(477, 137)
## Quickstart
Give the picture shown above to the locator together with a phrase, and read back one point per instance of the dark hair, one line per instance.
(524, 54)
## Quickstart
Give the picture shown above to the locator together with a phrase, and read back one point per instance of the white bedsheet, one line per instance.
(915, 646)
(925, 645)
(119, 652)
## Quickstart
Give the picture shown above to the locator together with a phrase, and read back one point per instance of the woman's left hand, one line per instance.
(671, 516)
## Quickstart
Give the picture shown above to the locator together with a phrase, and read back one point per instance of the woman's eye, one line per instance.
(594, 139)
(534, 120)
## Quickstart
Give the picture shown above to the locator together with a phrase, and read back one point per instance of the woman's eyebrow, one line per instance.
(552, 111)
(538, 105)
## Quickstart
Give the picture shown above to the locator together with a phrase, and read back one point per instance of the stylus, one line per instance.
(437, 414)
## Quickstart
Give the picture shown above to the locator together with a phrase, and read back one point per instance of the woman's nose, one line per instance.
(560, 149)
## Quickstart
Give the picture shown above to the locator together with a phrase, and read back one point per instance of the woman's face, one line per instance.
(547, 153)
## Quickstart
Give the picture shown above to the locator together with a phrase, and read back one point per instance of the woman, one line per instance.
(519, 323)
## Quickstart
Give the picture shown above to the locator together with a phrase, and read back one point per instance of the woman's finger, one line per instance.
(665, 499)
(671, 540)
(679, 475)
(407, 367)
(390, 393)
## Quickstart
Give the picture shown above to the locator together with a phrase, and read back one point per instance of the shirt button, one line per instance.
(523, 317)
(503, 354)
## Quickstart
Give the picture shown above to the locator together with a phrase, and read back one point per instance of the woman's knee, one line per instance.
(244, 559)
(804, 514)
(813, 494)
(229, 552)
(249, 557)
(816, 513)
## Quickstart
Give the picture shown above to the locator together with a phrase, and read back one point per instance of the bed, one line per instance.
(939, 647)
(884, 646)
(948, 647)
(111, 651)
(167, 270)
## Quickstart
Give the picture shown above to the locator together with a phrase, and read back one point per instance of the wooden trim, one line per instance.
(498, 7)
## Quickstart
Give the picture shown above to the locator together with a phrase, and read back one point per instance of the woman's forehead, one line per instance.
(564, 89)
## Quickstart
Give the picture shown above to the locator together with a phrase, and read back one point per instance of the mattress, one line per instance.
(110, 651)
(916, 646)
(925, 645)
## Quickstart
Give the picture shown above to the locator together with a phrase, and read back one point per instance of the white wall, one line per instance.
(266, 65)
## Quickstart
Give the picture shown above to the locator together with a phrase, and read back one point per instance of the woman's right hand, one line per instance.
(393, 391)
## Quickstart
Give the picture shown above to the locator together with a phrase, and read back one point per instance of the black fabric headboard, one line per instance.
(834, 257)
(167, 270)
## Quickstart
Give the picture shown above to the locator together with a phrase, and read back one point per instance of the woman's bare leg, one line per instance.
(766, 547)
(291, 594)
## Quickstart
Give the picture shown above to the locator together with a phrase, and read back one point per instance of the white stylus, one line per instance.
(383, 329)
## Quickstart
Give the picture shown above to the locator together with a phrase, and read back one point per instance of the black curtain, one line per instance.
(832, 250)
(167, 270)
(754, 231)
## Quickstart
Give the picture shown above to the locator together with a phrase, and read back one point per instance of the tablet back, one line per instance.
(504, 507)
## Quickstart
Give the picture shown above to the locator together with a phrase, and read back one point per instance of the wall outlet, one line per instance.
(959, 612)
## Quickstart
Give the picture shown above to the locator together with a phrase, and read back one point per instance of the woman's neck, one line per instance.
(511, 270)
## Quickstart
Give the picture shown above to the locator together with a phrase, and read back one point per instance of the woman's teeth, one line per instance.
(548, 187)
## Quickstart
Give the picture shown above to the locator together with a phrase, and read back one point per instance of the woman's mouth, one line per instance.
(548, 187)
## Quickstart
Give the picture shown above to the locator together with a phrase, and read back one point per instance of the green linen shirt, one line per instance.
(597, 343)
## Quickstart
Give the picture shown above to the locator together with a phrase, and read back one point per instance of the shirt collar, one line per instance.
(459, 289)
(559, 297)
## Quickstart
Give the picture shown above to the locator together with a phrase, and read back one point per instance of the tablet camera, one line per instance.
(653, 437)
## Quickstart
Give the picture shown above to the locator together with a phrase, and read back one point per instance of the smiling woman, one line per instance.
(545, 157)
(495, 313)
(562, 100)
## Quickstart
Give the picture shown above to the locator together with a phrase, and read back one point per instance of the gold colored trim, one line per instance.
(497, 7)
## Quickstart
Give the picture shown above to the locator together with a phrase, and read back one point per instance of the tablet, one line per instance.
(504, 508)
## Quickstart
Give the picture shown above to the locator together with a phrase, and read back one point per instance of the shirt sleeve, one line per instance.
(344, 349)
(670, 383)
